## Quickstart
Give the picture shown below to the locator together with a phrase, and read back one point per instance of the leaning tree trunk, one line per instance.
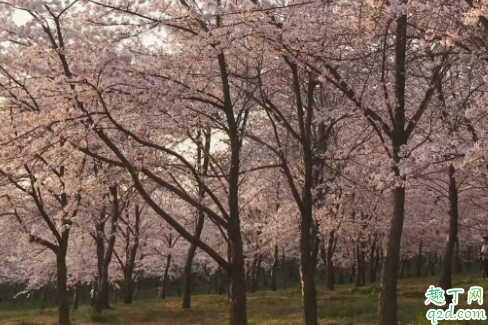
(165, 276)
(446, 278)
(62, 286)
(187, 276)
(131, 258)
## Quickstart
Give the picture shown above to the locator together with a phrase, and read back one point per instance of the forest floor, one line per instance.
(346, 305)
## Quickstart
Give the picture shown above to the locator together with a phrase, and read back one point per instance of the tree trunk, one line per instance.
(309, 295)
(218, 280)
(221, 283)
(249, 274)
(353, 274)
(62, 287)
(330, 262)
(388, 296)
(76, 296)
(104, 254)
(165, 276)
(128, 290)
(131, 258)
(432, 267)
(420, 261)
(377, 261)
(209, 284)
(361, 275)
(468, 259)
(103, 291)
(237, 294)
(446, 278)
(187, 275)
(283, 267)
(387, 311)
(274, 268)
(372, 261)
(308, 253)
(323, 256)
(458, 262)
(407, 267)
(402, 268)
(136, 290)
(114, 295)
(43, 296)
(340, 276)
(256, 272)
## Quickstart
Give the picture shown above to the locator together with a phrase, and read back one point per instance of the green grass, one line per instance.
(346, 305)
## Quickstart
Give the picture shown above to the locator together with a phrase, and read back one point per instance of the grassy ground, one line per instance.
(344, 306)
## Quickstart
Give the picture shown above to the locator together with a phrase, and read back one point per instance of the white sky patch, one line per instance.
(21, 17)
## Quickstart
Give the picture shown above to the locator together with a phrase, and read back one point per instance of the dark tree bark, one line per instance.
(256, 265)
(373, 257)
(202, 163)
(283, 267)
(62, 286)
(361, 275)
(446, 277)
(187, 276)
(458, 268)
(377, 262)
(387, 311)
(353, 274)
(248, 276)
(136, 290)
(420, 260)
(76, 296)
(402, 268)
(388, 297)
(274, 268)
(399, 134)
(165, 276)
(131, 247)
(330, 262)
(237, 306)
(105, 250)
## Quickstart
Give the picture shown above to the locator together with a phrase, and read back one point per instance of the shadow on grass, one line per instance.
(344, 306)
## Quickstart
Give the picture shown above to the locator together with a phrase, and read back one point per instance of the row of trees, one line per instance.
(214, 134)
